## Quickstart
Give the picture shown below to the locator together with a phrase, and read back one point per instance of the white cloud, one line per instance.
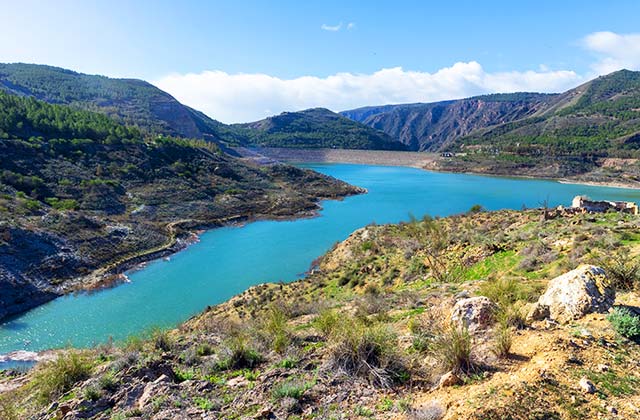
(615, 51)
(331, 28)
(247, 97)
(351, 25)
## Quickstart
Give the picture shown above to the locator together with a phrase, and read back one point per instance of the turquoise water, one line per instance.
(228, 260)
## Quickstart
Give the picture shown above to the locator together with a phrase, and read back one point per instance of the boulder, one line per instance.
(475, 313)
(573, 295)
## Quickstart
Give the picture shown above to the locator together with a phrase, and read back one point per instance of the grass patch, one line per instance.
(501, 262)
(52, 379)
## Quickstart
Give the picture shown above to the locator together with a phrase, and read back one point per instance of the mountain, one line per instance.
(83, 196)
(129, 101)
(598, 119)
(433, 126)
(314, 128)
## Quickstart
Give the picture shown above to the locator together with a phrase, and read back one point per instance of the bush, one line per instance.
(291, 389)
(92, 393)
(276, 329)
(238, 354)
(622, 269)
(161, 339)
(625, 323)
(451, 346)
(326, 321)
(108, 382)
(368, 351)
(54, 378)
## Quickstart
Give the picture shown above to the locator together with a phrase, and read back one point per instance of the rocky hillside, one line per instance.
(313, 128)
(455, 318)
(434, 126)
(129, 101)
(592, 131)
(82, 196)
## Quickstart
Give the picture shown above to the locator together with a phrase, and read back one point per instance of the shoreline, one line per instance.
(114, 274)
(420, 160)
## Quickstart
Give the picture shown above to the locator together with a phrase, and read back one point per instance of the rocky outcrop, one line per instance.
(574, 294)
(475, 313)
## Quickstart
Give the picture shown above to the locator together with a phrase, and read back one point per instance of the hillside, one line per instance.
(594, 127)
(314, 128)
(129, 101)
(374, 332)
(434, 126)
(82, 196)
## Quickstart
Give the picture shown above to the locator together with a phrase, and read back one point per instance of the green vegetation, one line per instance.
(313, 128)
(625, 323)
(127, 101)
(53, 379)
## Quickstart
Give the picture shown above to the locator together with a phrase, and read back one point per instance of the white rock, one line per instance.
(587, 386)
(475, 313)
(574, 294)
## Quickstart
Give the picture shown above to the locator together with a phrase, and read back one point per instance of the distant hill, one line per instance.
(433, 126)
(314, 128)
(129, 101)
(138, 103)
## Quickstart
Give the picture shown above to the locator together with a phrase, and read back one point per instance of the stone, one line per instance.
(587, 386)
(448, 379)
(152, 389)
(602, 368)
(475, 313)
(573, 295)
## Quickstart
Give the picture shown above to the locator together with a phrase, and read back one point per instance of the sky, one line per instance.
(243, 60)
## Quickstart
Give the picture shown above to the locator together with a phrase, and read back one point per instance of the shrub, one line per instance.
(625, 323)
(92, 393)
(291, 389)
(368, 351)
(238, 354)
(622, 269)
(204, 403)
(276, 329)
(326, 321)
(476, 208)
(108, 382)
(161, 339)
(451, 346)
(54, 378)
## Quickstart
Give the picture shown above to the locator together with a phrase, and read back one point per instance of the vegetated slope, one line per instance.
(599, 118)
(367, 334)
(433, 126)
(314, 128)
(80, 192)
(129, 101)
(588, 127)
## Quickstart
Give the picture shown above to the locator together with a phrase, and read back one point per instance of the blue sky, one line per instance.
(284, 46)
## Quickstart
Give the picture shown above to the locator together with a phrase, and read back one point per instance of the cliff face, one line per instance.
(433, 126)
